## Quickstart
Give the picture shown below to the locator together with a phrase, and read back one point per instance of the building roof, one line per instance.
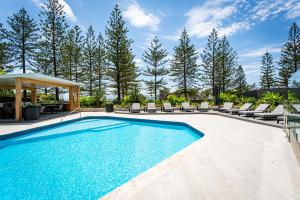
(35, 80)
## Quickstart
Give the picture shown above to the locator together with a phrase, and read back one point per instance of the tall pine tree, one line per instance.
(210, 61)
(72, 54)
(289, 61)
(22, 37)
(155, 58)
(240, 79)
(267, 77)
(54, 27)
(184, 68)
(78, 55)
(42, 63)
(284, 74)
(89, 52)
(5, 56)
(101, 65)
(128, 69)
(122, 70)
(227, 65)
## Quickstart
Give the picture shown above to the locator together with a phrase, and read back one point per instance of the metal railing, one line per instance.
(61, 119)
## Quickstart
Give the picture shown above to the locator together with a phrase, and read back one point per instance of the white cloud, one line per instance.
(294, 12)
(138, 62)
(261, 51)
(174, 37)
(266, 9)
(232, 16)
(37, 3)
(138, 17)
(202, 19)
(67, 9)
(233, 28)
(148, 41)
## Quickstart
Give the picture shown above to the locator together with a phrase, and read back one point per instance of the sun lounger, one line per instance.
(260, 109)
(227, 106)
(278, 111)
(186, 107)
(151, 107)
(135, 108)
(203, 107)
(235, 111)
(168, 108)
(296, 107)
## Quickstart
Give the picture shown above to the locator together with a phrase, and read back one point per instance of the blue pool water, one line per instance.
(85, 159)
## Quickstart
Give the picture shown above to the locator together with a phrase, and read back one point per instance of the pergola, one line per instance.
(34, 81)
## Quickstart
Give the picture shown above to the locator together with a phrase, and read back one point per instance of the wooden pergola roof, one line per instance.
(33, 81)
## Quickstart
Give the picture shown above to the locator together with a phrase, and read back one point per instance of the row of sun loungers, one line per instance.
(260, 111)
(167, 107)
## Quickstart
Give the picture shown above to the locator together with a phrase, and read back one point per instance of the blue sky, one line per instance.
(252, 27)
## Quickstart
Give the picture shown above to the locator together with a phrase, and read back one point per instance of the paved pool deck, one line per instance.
(234, 160)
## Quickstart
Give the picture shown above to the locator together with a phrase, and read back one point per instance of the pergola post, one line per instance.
(78, 97)
(71, 99)
(18, 102)
(33, 96)
(74, 98)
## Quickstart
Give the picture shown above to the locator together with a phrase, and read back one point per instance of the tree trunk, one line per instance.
(90, 78)
(213, 73)
(155, 84)
(23, 57)
(54, 57)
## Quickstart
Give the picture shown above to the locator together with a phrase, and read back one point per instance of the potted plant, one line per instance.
(31, 111)
(109, 107)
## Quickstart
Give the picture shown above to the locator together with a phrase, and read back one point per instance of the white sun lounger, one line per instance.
(151, 107)
(296, 107)
(226, 106)
(187, 108)
(260, 109)
(278, 111)
(168, 108)
(204, 106)
(135, 108)
(235, 111)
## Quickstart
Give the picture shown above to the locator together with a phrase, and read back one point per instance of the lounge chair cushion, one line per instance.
(186, 107)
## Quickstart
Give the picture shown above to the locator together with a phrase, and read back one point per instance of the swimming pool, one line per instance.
(87, 158)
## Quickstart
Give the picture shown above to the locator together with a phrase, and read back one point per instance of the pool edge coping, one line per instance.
(20, 133)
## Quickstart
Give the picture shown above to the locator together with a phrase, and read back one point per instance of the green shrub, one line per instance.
(88, 101)
(271, 98)
(47, 98)
(244, 99)
(99, 97)
(292, 98)
(173, 99)
(125, 101)
(159, 103)
(134, 97)
(227, 97)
